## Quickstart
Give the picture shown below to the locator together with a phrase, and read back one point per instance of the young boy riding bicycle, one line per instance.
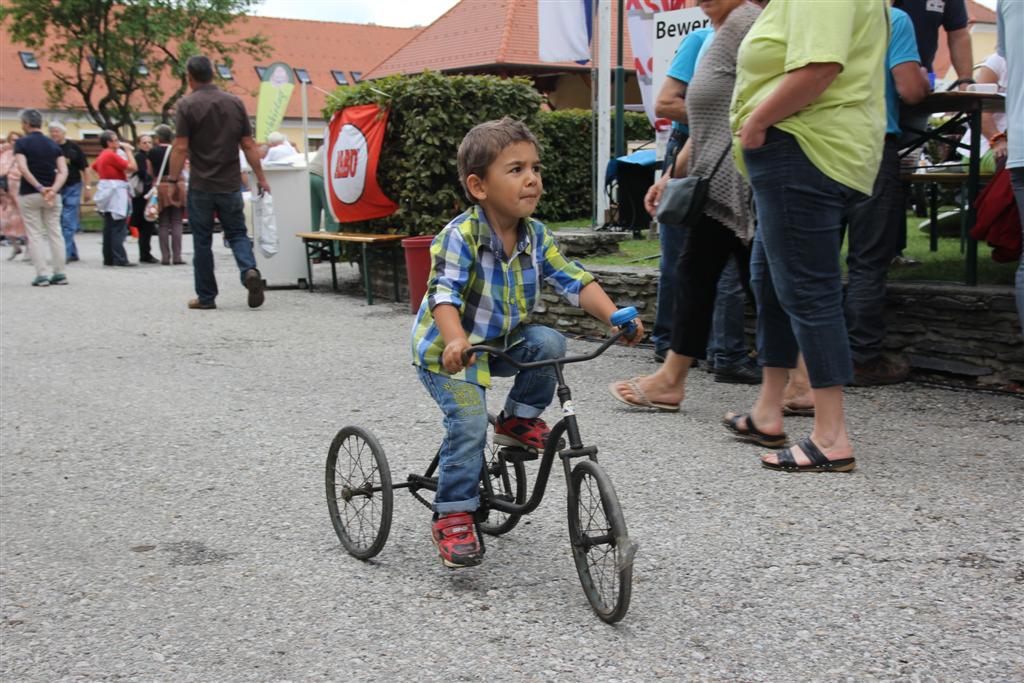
(485, 280)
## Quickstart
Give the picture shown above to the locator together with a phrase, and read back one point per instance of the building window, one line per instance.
(303, 76)
(356, 76)
(224, 71)
(28, 60)
(142, 69)
(339, 77)
(95, 64)
(261, 71)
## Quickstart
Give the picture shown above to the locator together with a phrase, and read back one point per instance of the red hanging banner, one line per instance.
(354, 138)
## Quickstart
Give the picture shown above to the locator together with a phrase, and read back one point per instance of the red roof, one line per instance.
(317, 46)
(483, 33)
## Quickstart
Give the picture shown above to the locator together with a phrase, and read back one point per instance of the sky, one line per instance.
(383, 12)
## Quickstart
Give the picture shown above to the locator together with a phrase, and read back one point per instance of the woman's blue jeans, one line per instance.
(794, 267)
(465, 414)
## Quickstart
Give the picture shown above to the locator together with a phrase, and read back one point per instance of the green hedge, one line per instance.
(566, 139)
(429, 116)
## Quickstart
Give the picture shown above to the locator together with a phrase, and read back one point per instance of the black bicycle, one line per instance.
(360, 490)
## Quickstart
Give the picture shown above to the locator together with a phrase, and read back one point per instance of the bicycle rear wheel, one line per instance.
(601, 546)
(359, 493)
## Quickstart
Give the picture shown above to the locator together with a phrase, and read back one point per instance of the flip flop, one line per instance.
(751, 433)
(818, 461)
(642, 400)
(797, 411)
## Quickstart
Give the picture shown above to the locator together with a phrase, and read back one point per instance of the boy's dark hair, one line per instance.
(200, 69)
(484, 143)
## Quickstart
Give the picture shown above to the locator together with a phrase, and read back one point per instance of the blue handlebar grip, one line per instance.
(624, 318)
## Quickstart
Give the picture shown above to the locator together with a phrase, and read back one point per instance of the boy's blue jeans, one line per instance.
(465, 414)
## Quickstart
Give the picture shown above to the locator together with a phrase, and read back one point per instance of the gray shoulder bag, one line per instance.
(682, 202)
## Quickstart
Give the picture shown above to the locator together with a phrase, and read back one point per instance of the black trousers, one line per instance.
(708, 248)
(146, 229)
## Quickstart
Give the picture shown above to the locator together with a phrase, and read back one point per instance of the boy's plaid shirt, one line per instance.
(494, 295)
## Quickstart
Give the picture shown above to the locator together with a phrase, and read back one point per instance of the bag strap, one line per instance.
(163, 165)
(725, 151)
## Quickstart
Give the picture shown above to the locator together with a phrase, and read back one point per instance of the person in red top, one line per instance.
(113, 197)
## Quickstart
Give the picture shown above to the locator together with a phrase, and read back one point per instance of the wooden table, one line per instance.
(322, 244)
(965, 107)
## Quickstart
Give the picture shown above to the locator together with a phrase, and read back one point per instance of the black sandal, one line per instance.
(752, 434)
(818, 461)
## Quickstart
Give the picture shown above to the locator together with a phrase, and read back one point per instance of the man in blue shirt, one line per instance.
(43, 173)
(875, 223)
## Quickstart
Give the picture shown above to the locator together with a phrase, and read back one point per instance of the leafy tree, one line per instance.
(106, 58)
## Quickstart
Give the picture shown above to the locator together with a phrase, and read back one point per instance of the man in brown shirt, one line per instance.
(211, 126)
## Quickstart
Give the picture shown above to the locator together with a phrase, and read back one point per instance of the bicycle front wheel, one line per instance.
(359, 493)
(601, 546)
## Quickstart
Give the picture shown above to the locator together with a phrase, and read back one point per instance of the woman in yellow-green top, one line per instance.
(809, 112)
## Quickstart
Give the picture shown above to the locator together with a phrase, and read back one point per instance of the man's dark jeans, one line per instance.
(794, 268)
(228, 206)
(874, 233)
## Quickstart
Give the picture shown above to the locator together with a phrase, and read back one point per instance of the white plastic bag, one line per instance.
(266, 226)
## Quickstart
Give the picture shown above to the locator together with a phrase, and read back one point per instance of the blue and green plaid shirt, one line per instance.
(494, 293)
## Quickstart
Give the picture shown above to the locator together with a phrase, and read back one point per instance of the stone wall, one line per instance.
(950, 333)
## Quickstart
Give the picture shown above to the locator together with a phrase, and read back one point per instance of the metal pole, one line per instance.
(305, 124)
(596, 187)
(620, 91)
(604, 67)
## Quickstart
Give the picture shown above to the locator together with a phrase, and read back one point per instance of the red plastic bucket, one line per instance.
(417, 266)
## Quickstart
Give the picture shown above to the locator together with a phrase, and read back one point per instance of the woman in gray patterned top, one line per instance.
(727, 226)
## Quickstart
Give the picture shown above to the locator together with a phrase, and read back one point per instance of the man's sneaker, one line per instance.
(456, 542)
(745, 372)
(59, 279)
(880, 370)
(525, 432)
(41, 281)
(197, 305)
(253, 281)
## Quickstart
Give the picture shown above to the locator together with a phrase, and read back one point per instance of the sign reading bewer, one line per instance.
(354, 137)
(669, 30)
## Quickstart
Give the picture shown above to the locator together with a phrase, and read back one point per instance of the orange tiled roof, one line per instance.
(317, 46)
(483, 33)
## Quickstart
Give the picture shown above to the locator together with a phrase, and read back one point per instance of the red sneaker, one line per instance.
(456, 542)
(525, 432)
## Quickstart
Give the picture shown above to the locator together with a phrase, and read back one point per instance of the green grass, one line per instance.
(945, 265)
(91, 222)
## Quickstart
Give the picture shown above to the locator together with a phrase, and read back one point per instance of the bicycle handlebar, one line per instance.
(622, 318)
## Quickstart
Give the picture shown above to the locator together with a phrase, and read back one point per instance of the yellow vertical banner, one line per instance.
(275, 92)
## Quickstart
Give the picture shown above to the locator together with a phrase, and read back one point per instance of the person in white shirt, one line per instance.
(278, 148)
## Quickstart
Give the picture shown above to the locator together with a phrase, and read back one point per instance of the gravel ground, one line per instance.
(163, 515)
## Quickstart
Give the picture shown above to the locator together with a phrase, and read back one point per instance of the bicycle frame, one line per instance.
(567, 425)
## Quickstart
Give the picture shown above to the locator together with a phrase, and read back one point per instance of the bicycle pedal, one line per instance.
(519, 454)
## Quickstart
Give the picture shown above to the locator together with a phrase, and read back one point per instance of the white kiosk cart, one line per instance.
(289, 185)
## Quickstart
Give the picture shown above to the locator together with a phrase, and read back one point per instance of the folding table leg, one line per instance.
(933, 216)
(367, 258)
(394, 270)
(309, 265)
(334, 264)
